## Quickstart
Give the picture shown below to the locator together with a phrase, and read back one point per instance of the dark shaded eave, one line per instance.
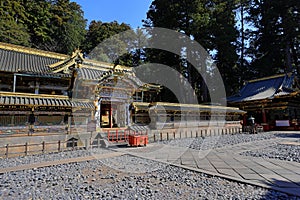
(33, 100)
(264, 89)
(45, 75)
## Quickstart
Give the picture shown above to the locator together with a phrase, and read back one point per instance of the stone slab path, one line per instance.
(227, 162)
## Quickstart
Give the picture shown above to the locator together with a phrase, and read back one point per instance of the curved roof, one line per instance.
(265, 88)
(14, 61)
(21, 99)
(34, 62)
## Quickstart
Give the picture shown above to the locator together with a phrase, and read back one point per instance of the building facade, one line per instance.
(47, 91)
(273, 101)
(62, 90)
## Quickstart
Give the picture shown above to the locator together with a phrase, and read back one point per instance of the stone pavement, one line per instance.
(227, 162)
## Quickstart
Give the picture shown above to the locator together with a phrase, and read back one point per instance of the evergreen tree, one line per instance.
(67, 26)
(12, 23)
(56, 25)
(38, 23)
(212, 24)
(275, 44)
(115, 43)
(224, 42)
(99, 31)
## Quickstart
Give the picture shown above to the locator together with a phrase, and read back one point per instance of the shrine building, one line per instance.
(69, 94)
(273, 101)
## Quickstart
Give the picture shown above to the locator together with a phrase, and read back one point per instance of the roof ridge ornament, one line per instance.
(68, 65)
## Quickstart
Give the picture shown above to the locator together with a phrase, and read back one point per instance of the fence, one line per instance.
(112, 136)
(116, 136)
(156, 135)
(38, 148)
(122, 135)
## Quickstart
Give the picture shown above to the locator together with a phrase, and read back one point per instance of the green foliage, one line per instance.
(12, 28)
(99, 31)
(276, 37)
(67, 26)
(246, 38)
(115, 43)
(38, 20)
(210, 23)
(56, 25)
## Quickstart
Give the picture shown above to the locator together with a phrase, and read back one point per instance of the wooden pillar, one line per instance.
(245, 120)
(99, 109)
(37, 87)
(15, 83)
(110, 117)
(264, 117)
(69, 124)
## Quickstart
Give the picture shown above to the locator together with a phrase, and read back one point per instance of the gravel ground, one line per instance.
(11, 162)
(278, 151)
(195, 143)
(128, 177)
(96, 180)
(213, 142)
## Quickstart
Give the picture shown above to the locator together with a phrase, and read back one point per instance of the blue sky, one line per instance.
(131, 12)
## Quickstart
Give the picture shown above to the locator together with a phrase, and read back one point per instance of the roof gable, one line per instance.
(266, 88)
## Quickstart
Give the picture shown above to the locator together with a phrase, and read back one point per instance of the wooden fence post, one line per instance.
(43, 147)
(26, 148)
(58, 145)
(6, 153)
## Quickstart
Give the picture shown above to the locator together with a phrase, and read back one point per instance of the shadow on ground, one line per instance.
(283, 190)
(288, 135)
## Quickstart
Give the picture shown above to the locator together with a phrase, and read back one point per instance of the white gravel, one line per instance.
(127, 177)
(278, 151)
(94, 180)
(213, 142)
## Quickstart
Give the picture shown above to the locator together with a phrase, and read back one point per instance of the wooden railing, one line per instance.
(38, 148)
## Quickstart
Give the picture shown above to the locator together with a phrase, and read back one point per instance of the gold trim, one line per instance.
(57, 64)
(292, 94)
(64, 68)
(193, 105)
(99, 64)
(33, 51)
(33, 95)
(268, 77)
(140, 104)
